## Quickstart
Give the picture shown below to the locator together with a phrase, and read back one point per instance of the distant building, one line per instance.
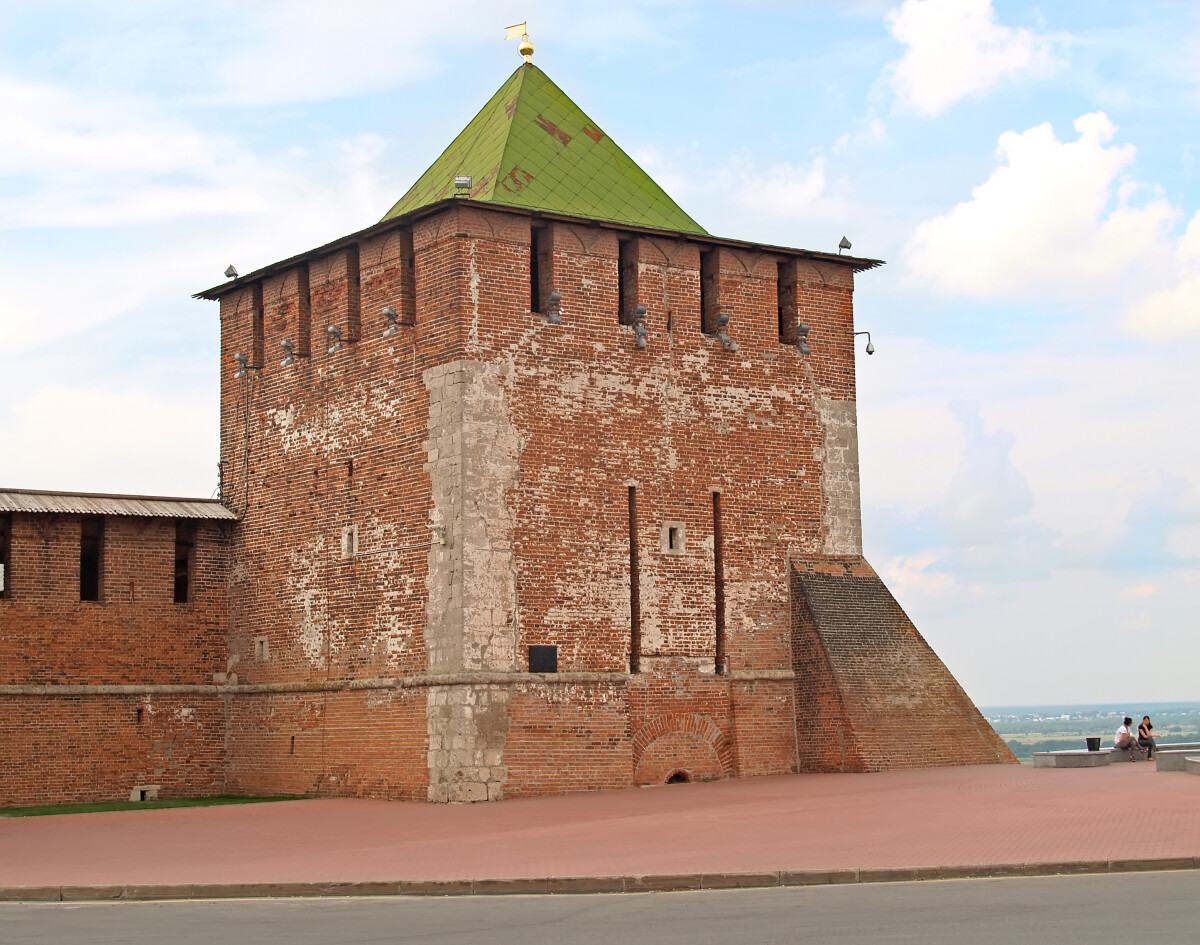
(532, 487)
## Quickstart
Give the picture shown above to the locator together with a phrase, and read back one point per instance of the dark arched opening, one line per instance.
(679, 777)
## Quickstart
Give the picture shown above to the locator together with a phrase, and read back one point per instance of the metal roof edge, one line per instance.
(50, 501)
(857, 263)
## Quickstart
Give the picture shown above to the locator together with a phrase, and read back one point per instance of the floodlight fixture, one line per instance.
(243, 365)
(637, 319)
(554, 308)
(843, 245)
(721, 324)
(335, 338)
(393, 321)
(289, 350)
(230, 272)
(802, 331)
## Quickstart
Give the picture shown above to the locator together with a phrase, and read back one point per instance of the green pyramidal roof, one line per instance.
(532, 147)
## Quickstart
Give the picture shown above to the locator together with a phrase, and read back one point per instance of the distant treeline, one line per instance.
(1026, 749)
(1164, 726)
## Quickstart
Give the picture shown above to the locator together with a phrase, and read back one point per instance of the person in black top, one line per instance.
(1146, 736)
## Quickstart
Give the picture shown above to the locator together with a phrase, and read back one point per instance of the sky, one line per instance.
(1028, 425)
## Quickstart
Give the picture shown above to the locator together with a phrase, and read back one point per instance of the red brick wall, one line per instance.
(563, 420)
(64, 747)
(135, 633)
(359, 744)
(857, 651)
(60, 749)
(564, 738)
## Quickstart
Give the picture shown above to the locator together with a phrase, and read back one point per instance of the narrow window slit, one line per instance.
(91, 554)
(353, 295)
(627, 280)
(786, 290)
(256, 325)
(719, 584)
(540, 275)
(635, 605)
(303, 314)
(185, 551)
(5, 555)
(710, 300)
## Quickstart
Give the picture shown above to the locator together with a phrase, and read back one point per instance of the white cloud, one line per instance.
(129, 441)
(782, 189)
(776, 201)
(89, 159)
(874, 132)
(1055, 220)
(956, 49)
(1175, 310)
(1064, 409)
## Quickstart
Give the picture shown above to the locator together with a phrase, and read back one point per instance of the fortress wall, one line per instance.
(135, 633)
(76, 748)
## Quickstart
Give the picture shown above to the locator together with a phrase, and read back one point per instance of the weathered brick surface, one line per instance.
(870, 693)
(97, 748)
(135, 632)
(445, 489)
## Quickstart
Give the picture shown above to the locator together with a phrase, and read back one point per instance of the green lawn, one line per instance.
(136, 805)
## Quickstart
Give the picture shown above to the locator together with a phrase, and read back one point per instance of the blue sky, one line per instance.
(1028, 425)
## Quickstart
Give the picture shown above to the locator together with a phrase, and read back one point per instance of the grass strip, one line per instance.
(104, 806)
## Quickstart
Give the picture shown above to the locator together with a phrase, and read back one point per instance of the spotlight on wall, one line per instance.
(638, 320)
(843, 245)
(722, 335)
(802, 331)
(393, 321)
(462, 184)
(554, 308)
(289, 350)
(335, 338)
(242, 362)
(870, 347)
(230, 272)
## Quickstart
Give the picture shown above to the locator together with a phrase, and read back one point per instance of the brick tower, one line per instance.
(532, 487)
(538, 493)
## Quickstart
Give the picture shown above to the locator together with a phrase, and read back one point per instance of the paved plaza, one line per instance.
(912, 823)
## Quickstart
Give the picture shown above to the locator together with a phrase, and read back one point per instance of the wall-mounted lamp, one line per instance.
(554, 308)
(242, 365)
(638, 320)
(393, 321)
(802, 331)
(335, 338)
(726, 342)
(289, 350)
(870, 347)
(462, 184)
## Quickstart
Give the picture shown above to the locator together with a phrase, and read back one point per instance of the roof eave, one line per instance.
(857, 263)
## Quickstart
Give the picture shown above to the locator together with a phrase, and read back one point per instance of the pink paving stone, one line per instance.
(931, 817)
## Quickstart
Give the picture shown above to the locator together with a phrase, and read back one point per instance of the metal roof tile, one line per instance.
(88, 503)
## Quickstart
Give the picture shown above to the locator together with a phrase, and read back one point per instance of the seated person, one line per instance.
(1125, 740)
(1146, 736)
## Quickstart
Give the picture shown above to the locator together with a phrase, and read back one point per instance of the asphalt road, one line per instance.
(1145, 908)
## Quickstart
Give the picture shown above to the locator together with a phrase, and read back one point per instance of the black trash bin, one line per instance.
(1093, 743)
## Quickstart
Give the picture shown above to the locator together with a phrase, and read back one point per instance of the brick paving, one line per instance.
(920, 818)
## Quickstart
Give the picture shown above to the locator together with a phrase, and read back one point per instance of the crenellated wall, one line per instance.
(451, 477)
(100, 696)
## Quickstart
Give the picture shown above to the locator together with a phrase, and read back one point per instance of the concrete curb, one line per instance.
(672, 882)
